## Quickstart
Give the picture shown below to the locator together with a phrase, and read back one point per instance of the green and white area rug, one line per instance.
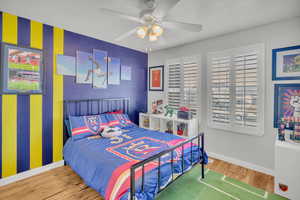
(215, 186)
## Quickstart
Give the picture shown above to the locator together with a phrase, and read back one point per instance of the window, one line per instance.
(235, 89)
(183, 83)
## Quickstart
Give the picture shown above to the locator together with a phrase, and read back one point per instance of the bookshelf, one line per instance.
(159, 122)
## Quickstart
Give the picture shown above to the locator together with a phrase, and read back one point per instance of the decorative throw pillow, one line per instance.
(85, 126)
(119, 120)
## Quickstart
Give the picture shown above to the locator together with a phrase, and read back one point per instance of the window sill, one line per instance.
(237, 130)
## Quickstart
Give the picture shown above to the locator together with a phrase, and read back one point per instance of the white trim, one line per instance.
(242, 163)
(29, 173)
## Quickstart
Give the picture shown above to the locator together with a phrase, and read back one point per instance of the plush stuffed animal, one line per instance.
(109, 132)
(169, 111)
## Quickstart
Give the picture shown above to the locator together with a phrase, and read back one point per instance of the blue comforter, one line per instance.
(104, 164)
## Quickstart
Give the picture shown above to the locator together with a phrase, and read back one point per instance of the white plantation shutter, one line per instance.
(174, 85)
(190, 84)
(220, 90)
(183, 83)
(235, 86)
(245, 71)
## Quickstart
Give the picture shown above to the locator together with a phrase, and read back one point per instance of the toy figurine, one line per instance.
(154, 107)
(169, 111)
(281, 130)
(180, 129)
(169, 127)
(159, 104)
(297, 130)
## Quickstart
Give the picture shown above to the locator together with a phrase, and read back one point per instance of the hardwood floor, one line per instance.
(251, 177)
(63, 183)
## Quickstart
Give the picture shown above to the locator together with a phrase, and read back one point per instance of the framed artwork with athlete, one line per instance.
(21, 70)
(100, 60)
(287, 102)
(84, 67)
(156, 78)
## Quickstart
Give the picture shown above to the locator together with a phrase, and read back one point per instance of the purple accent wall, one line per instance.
(48, 95)
(135, 89)
(23, 114)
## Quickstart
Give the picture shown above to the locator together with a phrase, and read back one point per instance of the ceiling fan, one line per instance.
(152, 20)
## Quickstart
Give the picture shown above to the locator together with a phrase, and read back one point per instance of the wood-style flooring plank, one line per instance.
(64, 183)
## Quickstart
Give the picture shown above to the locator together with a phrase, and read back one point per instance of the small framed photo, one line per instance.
(287, 102)
(286, 63)
(156, 78)
(21, 70)
(65, 65)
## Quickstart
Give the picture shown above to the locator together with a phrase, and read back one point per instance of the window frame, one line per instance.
(259, 130)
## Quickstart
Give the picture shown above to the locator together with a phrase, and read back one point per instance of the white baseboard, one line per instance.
(242, 163)
(29, 173)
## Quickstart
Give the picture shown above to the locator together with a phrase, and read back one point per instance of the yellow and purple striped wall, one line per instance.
(23, 132)
(31, 133)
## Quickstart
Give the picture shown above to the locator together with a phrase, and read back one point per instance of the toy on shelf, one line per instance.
(146, 122)
(154, 107)
(169, 125)
(169, 111)
(290, 123)
(181, 128)
(184, 113)
(157, 107)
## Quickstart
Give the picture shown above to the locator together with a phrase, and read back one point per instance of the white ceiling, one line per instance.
(218, 17)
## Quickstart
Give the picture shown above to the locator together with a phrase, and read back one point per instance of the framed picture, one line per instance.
(156, 78)
(65, 65)
(84, 67)
(287, 102)
(125, 73)
(286, 63)
(100, 60)
(114, 68)
(21, 70)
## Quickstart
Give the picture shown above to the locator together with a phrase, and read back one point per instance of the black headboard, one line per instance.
(94, 107)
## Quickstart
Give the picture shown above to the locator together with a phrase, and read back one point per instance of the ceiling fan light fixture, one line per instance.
(142, 31)
(152, 37)
(157, 30)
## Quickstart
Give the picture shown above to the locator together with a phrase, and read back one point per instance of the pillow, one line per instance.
(119, 120)
(85, 126)
(116, 112)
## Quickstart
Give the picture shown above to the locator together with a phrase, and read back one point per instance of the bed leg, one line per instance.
(202, 161)
(202, 170)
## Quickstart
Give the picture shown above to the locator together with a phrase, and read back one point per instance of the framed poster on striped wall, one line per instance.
(22, 70)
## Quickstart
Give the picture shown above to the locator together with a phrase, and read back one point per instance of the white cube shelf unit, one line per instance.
(158, 122)
(287, 162)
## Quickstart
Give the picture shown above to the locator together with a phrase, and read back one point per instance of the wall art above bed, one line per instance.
(96, 68)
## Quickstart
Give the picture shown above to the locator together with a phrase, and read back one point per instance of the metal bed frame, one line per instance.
(85, 107)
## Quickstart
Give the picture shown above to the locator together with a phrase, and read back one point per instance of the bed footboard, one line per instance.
(200, 159)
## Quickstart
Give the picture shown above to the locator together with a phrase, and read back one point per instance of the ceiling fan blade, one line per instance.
(182, 26)
(119, 14)
(125, 35)
(163, 7)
